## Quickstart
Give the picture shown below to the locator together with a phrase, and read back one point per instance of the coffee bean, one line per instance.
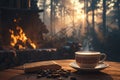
(55, 75)
(73, 78)
(60, 78)
(39, 76)
(49, 76)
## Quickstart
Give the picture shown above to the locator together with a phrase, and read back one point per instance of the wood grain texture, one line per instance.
(110, 73)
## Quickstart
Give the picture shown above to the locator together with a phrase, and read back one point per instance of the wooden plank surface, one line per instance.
(110, 73)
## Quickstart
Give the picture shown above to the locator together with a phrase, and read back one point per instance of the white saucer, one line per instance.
(97, 68)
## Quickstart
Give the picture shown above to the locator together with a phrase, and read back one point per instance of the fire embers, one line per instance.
(19, 40)
(60, 74)
(26, 31)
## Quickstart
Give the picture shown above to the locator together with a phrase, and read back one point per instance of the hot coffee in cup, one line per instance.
(89, 59)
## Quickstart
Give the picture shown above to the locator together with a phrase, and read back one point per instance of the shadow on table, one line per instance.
(92, 76)
(26, 77)
(78, 75)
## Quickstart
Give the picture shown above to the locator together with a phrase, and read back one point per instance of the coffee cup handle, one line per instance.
(102, 58)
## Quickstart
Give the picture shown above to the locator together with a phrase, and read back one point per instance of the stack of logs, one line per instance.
(10, 58)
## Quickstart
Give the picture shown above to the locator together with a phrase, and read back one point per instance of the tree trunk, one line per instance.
(93, 14)
(54, 14)
(86, 22)
(64, 17)
(44, 7)
(51, 17)
(118, 9)
(104, 18)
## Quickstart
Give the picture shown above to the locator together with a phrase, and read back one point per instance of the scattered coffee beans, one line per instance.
(54, 73)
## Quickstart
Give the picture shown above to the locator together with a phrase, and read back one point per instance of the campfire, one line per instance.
(20, 40)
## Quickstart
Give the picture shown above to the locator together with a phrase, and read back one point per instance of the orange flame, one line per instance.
(20, 36)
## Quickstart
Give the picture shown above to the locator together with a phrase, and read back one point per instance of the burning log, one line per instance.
(20, 40)
(22, 23)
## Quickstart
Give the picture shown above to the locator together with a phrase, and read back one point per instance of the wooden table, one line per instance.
(110, 73)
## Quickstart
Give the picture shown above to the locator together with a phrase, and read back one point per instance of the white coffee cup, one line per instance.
(89, 59)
